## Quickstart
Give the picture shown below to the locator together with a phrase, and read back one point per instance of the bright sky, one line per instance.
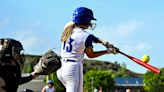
(134, 26)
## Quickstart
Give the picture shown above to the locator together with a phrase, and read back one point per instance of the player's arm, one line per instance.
(89, 47)
(92, 54)
(43, 90)
(98, 40)
(105, 43)
(28, 77)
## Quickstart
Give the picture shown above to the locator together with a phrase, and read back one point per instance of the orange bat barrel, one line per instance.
(146, 65)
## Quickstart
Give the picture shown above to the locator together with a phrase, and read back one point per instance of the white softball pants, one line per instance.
(71, 76)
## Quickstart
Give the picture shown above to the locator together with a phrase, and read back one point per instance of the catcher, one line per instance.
(11, 64)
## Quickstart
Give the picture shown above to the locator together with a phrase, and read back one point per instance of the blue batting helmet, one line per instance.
(83, 15)
(50, 82)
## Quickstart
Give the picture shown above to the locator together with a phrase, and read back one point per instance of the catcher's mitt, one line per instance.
(48, 63)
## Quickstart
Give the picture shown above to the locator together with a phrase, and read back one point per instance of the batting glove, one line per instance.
(113, 50)
(107, 44)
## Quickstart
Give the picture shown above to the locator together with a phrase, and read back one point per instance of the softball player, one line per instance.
(75, 43)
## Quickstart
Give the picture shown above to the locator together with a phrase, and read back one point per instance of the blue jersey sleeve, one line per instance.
(89, 40)
(94, 39)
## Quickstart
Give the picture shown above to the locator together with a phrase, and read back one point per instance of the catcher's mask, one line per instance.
(12, 51)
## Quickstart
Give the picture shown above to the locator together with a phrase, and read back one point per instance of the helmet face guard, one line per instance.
(18, 56)
(92, 26)
(12, 49)
(83, 15)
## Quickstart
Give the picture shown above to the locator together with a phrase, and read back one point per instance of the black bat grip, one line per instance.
(123, 54)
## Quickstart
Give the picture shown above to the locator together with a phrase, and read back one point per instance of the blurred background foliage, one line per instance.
(102, 73)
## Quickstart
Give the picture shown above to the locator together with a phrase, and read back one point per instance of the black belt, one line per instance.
(70, 60)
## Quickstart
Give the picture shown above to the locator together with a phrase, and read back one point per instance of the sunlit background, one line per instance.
(135, 27)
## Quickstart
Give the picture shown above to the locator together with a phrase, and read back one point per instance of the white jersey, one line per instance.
(47, 89)
(71, 72)
(74, 48)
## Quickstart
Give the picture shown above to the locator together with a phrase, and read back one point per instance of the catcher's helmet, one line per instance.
(11, 48)
(82, 15)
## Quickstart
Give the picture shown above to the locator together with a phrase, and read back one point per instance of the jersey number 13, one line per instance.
(68, 45)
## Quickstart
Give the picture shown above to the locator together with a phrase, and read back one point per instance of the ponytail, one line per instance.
(67, 31)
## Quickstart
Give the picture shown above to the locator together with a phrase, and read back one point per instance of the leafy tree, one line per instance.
(154, 82)
(96, 79)
(122, 72)
(27, 68)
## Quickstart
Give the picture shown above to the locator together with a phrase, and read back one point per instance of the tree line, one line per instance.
(101, 74)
